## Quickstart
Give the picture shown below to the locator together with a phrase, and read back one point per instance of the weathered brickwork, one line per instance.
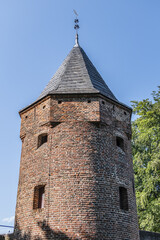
(145, 235)
(81, 168)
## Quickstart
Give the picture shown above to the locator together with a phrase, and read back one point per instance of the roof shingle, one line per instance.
(77, 74)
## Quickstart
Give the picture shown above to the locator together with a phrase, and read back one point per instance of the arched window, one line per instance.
(42, 139)
(38, 201)
(120, 142)
(123, 198)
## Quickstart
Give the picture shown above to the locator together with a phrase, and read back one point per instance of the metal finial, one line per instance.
(76, 27)
(76, 41)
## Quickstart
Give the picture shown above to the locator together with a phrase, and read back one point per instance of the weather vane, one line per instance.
(76, 21)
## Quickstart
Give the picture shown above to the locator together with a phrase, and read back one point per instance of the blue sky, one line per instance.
(121, 37)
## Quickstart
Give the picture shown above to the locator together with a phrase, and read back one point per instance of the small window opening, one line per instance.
(38, 201)
(89, 101)
(128, 136)
(133, 186)
(44, 106)
(120, 142)
(42, 139)
(26, 117)
(103, 102)
(59, 101)
(123, 198)
(125, 113)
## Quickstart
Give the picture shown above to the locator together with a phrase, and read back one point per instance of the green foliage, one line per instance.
(146, 159)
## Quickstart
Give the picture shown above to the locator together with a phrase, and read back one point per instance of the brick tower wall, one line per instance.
(81, 168)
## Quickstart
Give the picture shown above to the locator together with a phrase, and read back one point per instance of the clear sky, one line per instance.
(121, 37)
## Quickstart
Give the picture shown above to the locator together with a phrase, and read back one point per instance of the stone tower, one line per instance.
(76, 175)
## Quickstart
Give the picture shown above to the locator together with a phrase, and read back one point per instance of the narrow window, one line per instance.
(133, 186)
(38, 201)
(42, 139)
(120, 142)
(123, 196)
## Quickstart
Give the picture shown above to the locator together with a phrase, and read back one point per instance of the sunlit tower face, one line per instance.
(76, 174)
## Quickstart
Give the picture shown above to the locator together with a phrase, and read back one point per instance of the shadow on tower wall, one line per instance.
(48, 234)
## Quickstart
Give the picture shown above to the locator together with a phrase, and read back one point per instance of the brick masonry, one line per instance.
(145, 235)
(81, 168)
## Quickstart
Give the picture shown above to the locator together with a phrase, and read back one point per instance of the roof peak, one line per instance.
(76, 75)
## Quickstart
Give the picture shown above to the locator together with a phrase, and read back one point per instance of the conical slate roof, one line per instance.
(77, 75)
